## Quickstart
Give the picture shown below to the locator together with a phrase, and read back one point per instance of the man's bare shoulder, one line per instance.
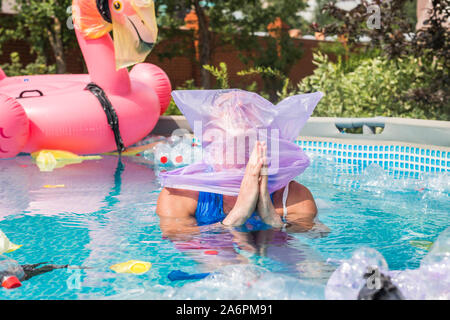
(176, 202)
(300, 201)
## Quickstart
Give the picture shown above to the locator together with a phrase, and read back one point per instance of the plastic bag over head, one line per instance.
(228, 123)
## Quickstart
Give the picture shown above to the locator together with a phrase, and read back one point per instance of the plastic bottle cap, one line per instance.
(11, 283)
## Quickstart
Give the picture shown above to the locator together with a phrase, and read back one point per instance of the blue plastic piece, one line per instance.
(181, 275)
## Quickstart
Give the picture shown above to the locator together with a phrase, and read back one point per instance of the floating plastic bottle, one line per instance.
(11, 273)
(162, 152)
(181, 154)
(6, 245)
(431, 281)
(346, 282)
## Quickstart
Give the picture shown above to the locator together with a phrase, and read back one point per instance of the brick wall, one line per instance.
(180, 68)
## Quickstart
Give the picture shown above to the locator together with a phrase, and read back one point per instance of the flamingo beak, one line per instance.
(135, 34)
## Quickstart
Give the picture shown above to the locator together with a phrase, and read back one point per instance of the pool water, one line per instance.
(103, 213)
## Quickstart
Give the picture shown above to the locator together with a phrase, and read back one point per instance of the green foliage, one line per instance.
(348, 56)
(239, 23)
(43, 24)
(268, 71)
(221, 74)
(321, 17)
(16, 68)
(376, 87)
(222, 78)
(411, 72)
(279, 54)
(286, 89)
(222, 82)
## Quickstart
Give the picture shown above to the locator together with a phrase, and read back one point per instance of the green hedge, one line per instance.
(377, 86)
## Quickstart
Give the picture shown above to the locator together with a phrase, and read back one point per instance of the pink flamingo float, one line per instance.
(107, 109)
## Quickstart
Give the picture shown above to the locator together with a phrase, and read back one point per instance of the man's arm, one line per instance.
(176, 209)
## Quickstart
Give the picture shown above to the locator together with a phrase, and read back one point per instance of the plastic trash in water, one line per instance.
(176, 151)
(182, 153)
(11, 273)
(132, 266)
(6, 246)
(421, 244)
(223, 120)
(248, 282)
(162, 153)
(54, 186)
(48, 160)
(211, 252)
(181, 275)
(431, 281)
(348, 279)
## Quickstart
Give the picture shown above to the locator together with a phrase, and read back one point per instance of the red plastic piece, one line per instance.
(163, 159)
(211, 252)
(179, 159)
(11, 283)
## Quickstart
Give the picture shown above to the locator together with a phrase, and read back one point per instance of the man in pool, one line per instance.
(239, 199)
(292, 207)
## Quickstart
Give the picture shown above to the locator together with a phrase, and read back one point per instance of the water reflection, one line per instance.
(88, 186)
(215, 246)
(114, 200)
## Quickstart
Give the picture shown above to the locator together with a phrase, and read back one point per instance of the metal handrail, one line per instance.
(368, 124)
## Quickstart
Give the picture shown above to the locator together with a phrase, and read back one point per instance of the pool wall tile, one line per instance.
(387, 155)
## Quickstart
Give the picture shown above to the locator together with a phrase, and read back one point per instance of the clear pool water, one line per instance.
(105, 214)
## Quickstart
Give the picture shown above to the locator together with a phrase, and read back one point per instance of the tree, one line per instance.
(43, 24)
(238, 22)
(396, 40)
(172, 14)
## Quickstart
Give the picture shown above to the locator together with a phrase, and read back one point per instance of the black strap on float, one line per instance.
(111, 114)
(103, 9)
(22, 94)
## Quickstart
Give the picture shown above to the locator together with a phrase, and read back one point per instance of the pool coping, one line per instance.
(413, 132)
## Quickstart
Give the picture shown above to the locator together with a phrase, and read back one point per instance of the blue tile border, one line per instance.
(389, 155)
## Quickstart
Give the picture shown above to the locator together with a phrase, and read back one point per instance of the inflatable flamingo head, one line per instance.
(132, 22)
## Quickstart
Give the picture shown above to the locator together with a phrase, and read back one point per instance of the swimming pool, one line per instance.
(104, 213)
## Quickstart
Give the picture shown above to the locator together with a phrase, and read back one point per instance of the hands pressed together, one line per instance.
(254, 193)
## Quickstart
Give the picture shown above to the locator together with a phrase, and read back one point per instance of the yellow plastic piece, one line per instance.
(421, 244)
(53, 186)
(134, 150)
(6, 246)
(132, 266)
(48, 160)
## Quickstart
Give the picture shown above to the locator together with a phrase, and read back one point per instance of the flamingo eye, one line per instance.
(117, 5)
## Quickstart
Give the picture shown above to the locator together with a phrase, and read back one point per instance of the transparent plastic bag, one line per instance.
(228, 123)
